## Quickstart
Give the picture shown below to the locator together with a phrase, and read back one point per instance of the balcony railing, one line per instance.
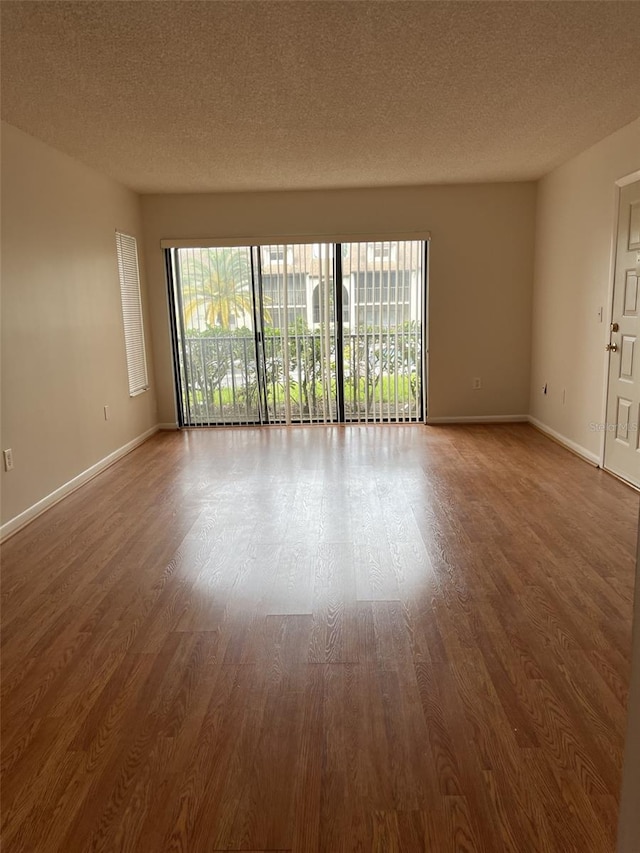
(297, 379)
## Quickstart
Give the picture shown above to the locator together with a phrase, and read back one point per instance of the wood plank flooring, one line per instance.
(321, 639)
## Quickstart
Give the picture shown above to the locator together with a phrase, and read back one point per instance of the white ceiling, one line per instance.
(211, 96)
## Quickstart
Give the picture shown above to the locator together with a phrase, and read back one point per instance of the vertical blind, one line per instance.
(132, 313)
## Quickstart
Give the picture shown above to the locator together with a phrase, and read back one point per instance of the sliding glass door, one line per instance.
(383, 353)
(296, 286)
(215, 336)
(263, 334)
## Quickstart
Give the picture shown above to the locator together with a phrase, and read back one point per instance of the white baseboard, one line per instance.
(481, 419)
(590, 457)
(168, 426)
(19, 521)
(578, 449)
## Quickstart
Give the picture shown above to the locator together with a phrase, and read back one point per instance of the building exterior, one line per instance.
(381, 283)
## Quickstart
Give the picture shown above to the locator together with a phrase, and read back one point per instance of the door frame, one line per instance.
(426, 384)
(258, 331)
(619, 184)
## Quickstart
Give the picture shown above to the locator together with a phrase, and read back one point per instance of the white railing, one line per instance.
(382, 377)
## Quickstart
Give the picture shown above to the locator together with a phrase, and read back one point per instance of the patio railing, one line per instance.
(222, 383)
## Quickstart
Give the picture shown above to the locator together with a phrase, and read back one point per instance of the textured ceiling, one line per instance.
(205, 96)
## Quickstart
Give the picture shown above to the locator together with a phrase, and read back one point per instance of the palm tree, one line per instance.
(216, 287)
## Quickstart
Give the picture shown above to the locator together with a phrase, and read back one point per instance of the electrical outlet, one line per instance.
(477, 383)
(8, 459)
(545, 389)
(106, 413)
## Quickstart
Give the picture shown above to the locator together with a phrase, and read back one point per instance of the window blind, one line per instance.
(132, 313)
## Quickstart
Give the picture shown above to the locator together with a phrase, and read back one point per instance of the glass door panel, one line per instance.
(215, 336)
(384, 330)
(298, 311)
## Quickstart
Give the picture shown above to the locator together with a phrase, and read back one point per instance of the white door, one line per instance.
(622, 437)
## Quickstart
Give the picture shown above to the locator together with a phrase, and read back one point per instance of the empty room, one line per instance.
(320, 426)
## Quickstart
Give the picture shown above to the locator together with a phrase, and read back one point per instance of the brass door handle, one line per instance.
(611, 347)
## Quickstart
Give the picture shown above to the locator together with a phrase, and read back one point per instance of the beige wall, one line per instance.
(574, 230)
(63, 355)
(480, 273)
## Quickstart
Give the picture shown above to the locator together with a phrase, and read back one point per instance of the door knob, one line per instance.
(611, 347)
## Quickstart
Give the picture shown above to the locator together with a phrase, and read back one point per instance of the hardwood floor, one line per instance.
(321, 639)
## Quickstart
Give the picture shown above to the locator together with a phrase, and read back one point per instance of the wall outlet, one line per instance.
(8, 459)
(476, 383)
(545, 389)
(106, 413)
